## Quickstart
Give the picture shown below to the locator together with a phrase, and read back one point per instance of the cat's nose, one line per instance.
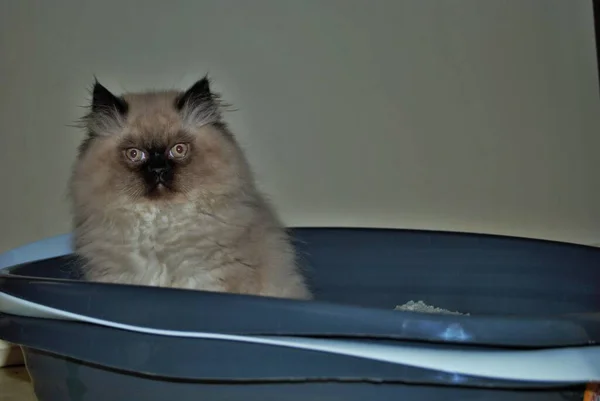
(161, 173)
(159, 170)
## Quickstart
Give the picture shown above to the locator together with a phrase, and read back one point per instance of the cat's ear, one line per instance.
(107, 112)
(103, 101)
(196, 95)
(198, 105)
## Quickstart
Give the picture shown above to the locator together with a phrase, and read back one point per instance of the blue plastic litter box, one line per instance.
(532, 331)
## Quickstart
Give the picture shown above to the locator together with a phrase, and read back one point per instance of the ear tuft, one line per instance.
(196, 95)
(199, 105)
(103, 101)
(107, 112)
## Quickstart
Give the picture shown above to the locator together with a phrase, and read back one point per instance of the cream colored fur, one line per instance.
(216, 233)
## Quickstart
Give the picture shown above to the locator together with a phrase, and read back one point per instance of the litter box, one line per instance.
(531, 333)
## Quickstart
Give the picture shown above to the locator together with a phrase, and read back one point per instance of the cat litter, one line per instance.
(420, 306)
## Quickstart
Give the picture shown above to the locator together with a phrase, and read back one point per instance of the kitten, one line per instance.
(162, 195)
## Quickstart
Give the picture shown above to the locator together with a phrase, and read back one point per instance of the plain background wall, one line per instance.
(470, 115)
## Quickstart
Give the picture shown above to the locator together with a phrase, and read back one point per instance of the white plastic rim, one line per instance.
(52, 247)
(561, 365)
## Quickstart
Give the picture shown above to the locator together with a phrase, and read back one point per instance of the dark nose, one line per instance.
(162, 174)
(158, 170)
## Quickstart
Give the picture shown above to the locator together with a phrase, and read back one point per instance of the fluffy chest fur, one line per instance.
(164, 246)
(241, 250)
(155, 242)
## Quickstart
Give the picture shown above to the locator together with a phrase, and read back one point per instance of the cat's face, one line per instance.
(156, 147)
(157, 166)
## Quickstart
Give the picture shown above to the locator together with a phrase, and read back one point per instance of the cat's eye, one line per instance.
(135, 155)
(178, 151)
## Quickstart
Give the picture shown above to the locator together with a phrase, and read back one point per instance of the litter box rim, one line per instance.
(333, 320)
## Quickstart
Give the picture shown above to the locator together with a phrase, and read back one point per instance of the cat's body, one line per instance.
(163, 196)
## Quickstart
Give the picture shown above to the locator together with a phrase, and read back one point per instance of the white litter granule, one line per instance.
(420, 306)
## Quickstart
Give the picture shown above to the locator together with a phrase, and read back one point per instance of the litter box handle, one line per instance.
(554, 366)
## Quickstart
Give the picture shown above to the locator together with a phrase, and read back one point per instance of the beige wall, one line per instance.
(476, 115)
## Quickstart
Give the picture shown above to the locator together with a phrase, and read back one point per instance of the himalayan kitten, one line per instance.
(162, 195)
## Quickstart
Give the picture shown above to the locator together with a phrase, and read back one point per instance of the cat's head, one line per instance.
(156, 147)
